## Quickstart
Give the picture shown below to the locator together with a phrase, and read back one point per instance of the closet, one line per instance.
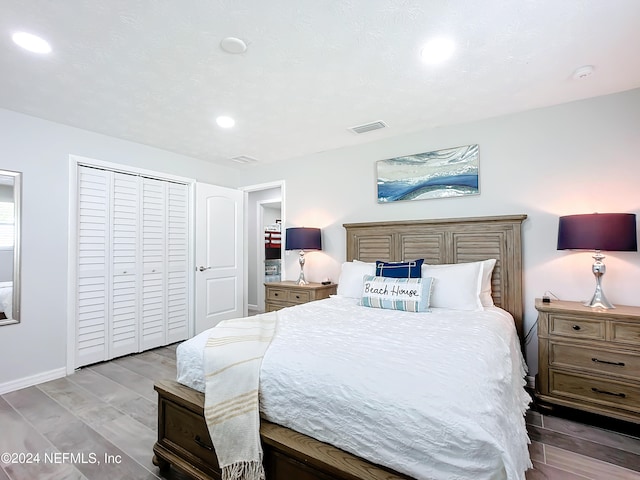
(272, 251)
(132, 264)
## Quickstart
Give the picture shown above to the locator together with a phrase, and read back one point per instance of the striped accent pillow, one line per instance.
(408, 294)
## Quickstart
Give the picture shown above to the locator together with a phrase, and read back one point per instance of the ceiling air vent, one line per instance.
(244, 159)
(368, 127)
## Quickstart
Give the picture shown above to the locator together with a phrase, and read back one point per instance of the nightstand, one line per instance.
(589, 359)
(287, 294)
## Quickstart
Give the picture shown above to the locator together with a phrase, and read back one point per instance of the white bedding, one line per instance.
(435, 395)
(6, 298)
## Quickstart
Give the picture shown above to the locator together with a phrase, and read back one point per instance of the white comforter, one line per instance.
(435, 395)
(6, 298)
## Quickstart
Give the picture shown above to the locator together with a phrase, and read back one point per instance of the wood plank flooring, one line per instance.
(100, 423)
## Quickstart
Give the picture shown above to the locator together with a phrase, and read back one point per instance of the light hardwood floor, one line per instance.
(105, 416)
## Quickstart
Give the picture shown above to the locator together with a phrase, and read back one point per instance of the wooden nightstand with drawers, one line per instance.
(287, 294)
(589, 359)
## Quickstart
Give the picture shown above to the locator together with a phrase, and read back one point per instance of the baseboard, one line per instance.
(32, 380)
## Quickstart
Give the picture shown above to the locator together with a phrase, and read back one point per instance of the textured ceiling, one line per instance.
(152, 71)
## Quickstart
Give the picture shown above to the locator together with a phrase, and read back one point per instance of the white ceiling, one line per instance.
(152, 71)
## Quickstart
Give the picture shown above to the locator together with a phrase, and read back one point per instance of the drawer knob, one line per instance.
(202, 444)
(275, 294)
(597, 390)
(576, 327)
(297, 297)
(617, 364)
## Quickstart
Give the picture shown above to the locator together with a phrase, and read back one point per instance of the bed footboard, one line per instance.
(183, 442)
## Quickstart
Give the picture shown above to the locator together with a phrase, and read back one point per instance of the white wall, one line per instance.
(580, 157)
(6, 193)
(574, 158)
(41, 149)
(6, 265)
(6, 255)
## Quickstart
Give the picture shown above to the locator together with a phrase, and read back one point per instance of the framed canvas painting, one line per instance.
(452, 172)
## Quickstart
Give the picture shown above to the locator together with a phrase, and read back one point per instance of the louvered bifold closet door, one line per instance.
(92, 269)
(153, 249)
(132, 264)
(124, 283)
(177, 262)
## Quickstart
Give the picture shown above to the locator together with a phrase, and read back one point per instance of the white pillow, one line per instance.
(456, 286)
(352, 278)
(485, 292)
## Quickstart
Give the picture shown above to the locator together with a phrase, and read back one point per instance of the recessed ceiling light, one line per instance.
(31, 42)
(225, 122)
(233, 45)
(437, 50)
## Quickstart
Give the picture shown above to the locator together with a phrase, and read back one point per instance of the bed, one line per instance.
(303, 445)
(6, 299)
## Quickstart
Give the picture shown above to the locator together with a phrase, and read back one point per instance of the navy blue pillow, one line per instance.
(411, 269)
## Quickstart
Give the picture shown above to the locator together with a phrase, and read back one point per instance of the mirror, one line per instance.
(10, 194)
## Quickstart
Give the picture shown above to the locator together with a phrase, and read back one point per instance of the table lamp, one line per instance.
(303, 238)
(614, 232)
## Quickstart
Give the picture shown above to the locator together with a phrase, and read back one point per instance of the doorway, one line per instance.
(265, 214)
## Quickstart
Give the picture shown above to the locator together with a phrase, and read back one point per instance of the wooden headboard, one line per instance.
(450, 240)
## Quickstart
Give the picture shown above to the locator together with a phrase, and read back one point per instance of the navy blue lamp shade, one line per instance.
(303, 238)
(615, 232)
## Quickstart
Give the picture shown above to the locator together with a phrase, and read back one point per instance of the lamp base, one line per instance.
(599, 300)
(301, 279)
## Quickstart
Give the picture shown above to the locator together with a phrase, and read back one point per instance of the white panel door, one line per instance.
(124, 286)
(219, 255)
(153, 311)
(93, 259)
(177, 262)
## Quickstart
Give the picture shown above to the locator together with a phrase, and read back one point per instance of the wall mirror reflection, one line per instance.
(10, 184)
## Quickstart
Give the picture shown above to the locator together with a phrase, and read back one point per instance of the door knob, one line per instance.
(202, 269)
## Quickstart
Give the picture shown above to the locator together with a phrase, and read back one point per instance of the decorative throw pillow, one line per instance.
(351, 275)
(408, 294)
(399, 269)
(456, 286)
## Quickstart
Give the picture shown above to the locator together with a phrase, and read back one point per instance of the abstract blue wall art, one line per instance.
(452, 172)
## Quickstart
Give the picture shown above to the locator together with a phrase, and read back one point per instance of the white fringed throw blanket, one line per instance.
(232, 360)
